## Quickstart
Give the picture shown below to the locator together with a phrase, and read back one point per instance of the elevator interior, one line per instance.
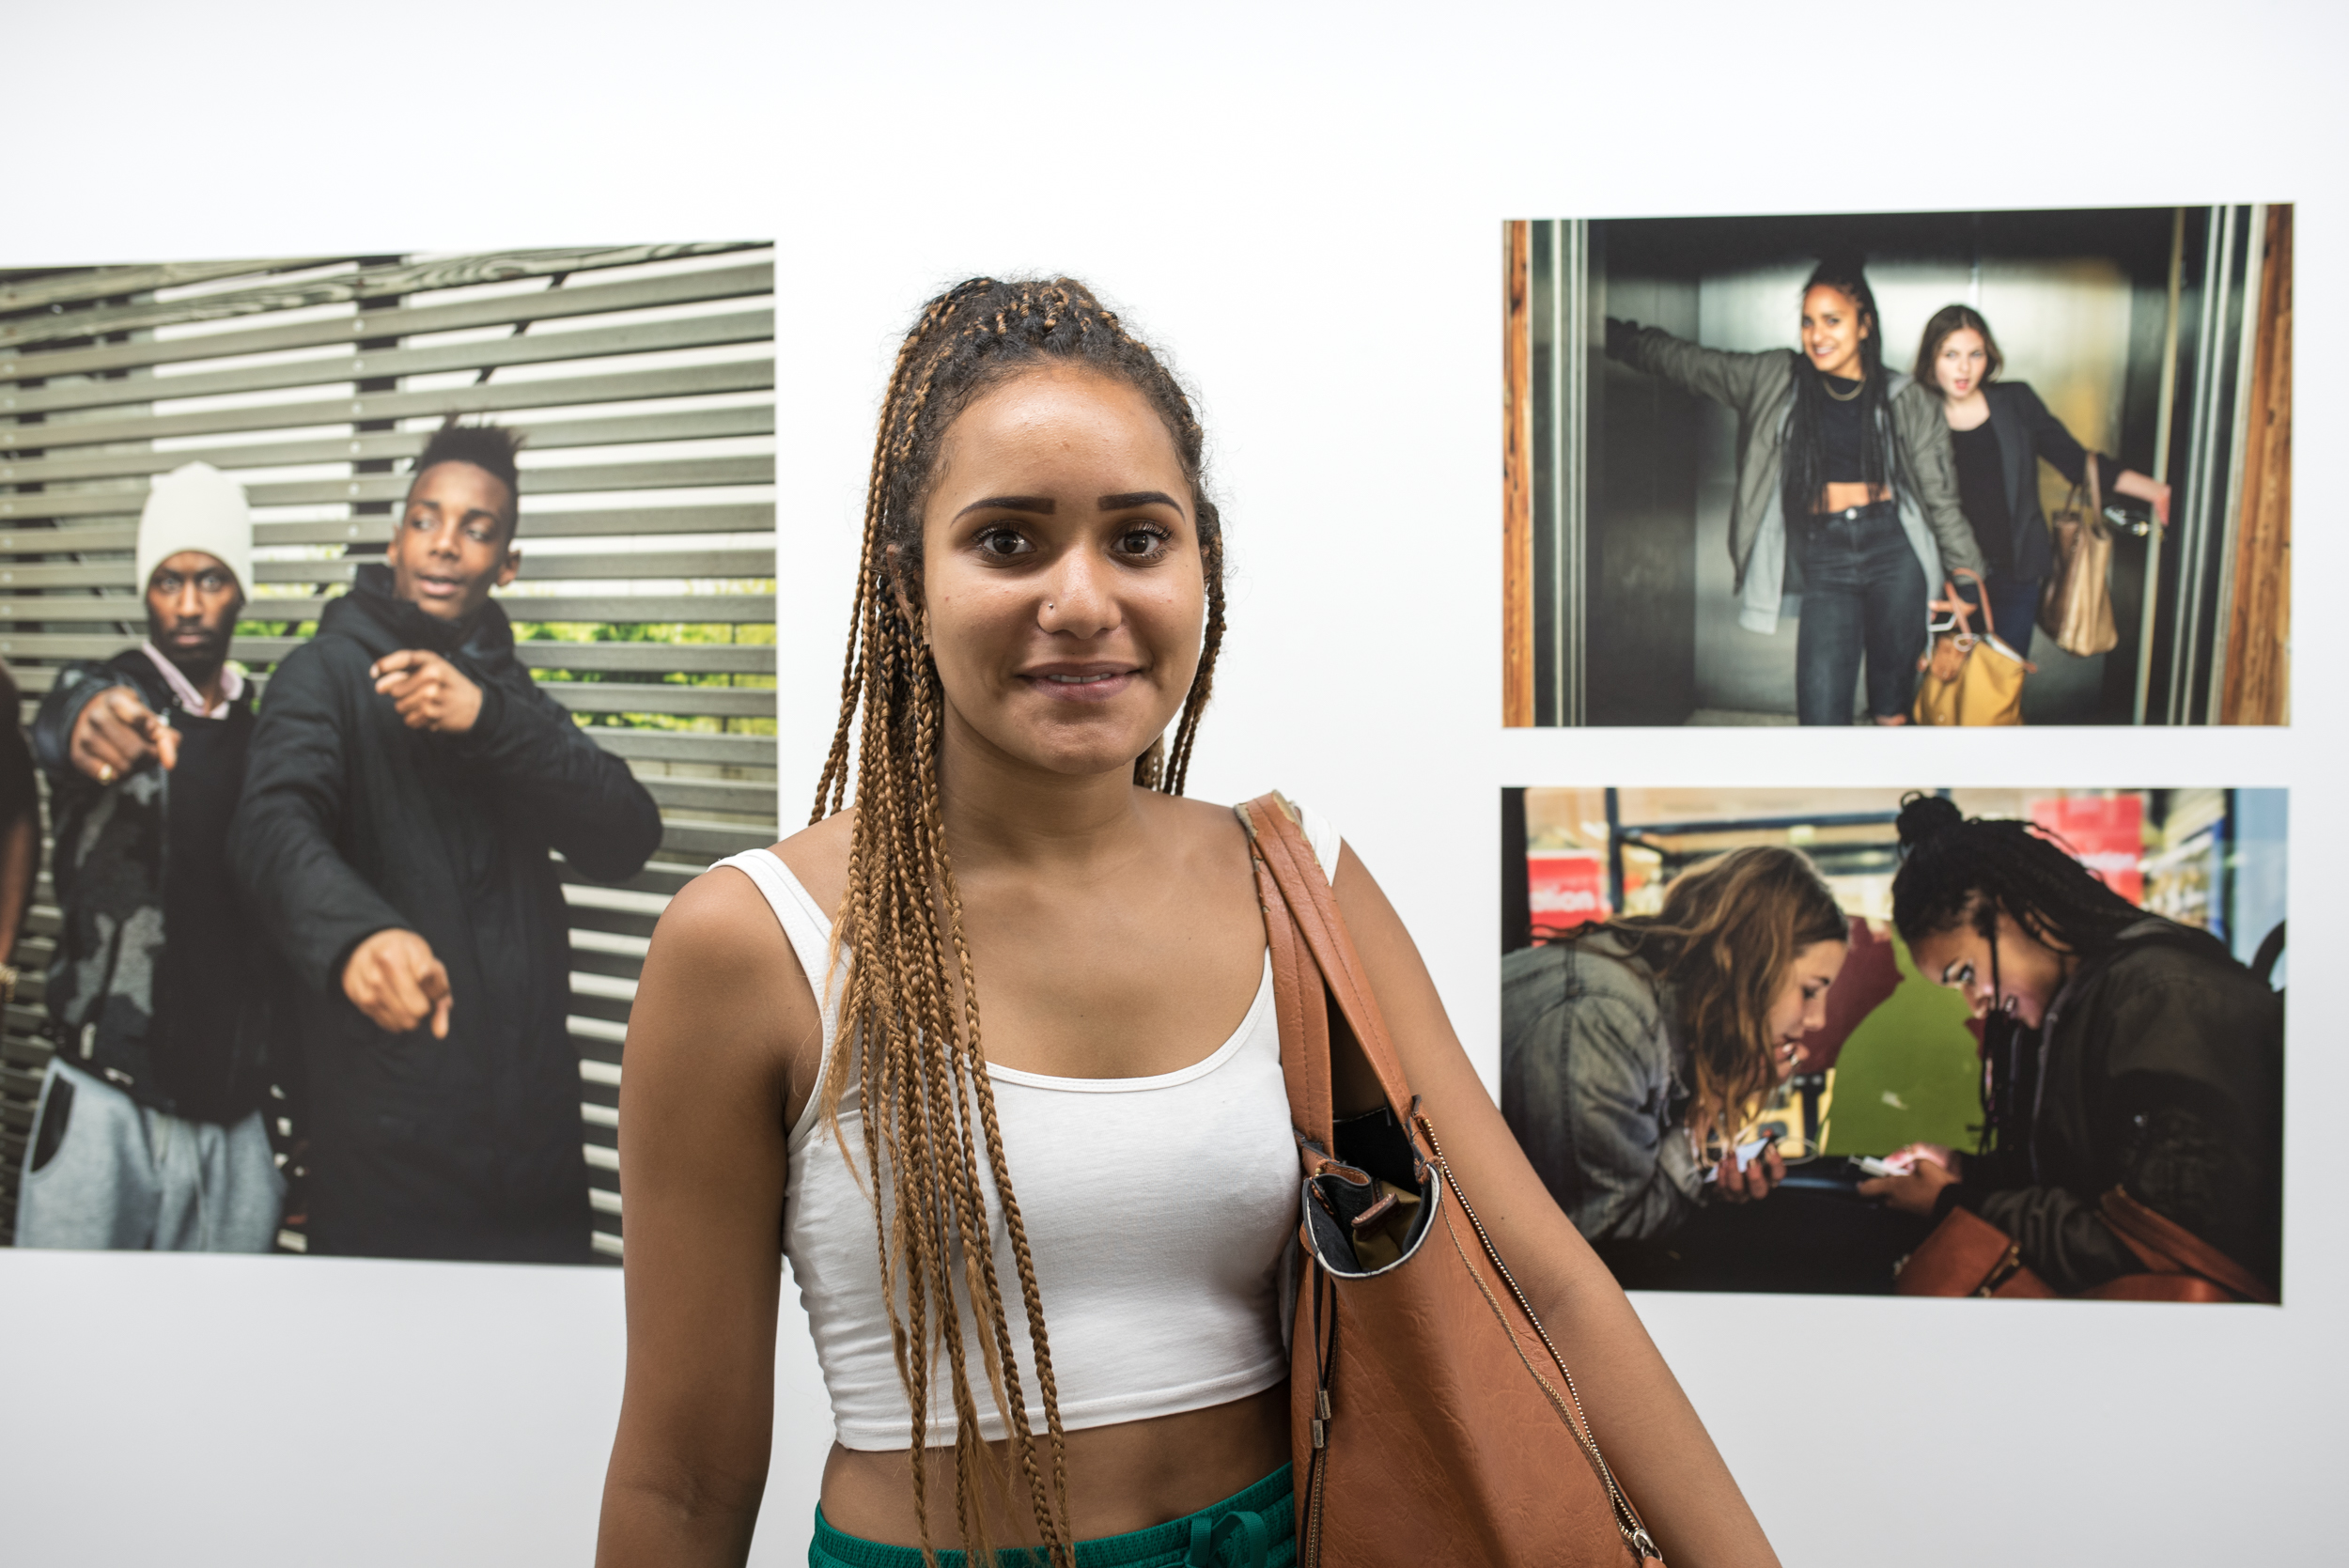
(2137, 326)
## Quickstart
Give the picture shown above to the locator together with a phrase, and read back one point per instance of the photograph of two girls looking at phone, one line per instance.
(2114, 1049)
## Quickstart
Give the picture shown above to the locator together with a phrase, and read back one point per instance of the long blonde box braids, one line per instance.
(909, 1002)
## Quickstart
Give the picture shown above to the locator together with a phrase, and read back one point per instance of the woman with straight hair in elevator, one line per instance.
(1038, 610)
(1999, 433)
(1844, 474)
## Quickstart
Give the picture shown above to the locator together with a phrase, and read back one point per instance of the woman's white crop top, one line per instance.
(1158, 1212)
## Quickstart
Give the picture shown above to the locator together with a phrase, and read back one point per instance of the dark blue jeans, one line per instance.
(1863, 594)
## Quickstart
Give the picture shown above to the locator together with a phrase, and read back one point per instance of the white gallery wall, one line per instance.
(1301, 205)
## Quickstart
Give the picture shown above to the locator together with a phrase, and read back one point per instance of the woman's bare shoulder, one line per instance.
(722, 987)
(818, 856)
(720, 929)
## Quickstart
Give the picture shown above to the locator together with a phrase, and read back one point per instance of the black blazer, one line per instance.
(2027, 432)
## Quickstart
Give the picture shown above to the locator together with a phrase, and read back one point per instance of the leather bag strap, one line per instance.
(2166, 1247)
(1278, 842)
(1301, 1008)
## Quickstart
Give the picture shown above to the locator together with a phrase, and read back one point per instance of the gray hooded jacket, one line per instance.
(1595, 1084)
(1758, 387)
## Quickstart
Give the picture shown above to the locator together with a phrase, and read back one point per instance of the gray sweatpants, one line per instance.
(121, 1177)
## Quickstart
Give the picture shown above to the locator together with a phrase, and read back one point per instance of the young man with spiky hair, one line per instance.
(407, 781)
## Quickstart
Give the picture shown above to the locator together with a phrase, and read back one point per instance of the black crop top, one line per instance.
(1842, 432)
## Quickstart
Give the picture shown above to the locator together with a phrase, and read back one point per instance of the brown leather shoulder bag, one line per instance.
(1432, 1418)
(1967, 1255)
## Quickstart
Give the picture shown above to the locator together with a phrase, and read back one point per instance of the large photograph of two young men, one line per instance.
(2009, 1042)
(371, 698)
(1892, 469)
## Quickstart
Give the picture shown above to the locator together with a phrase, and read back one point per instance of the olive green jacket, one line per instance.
(1758, 387)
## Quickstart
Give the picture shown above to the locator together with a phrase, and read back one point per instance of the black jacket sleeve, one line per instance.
(61, 709)
(581, 796)
(2061, 1235)
(2181, 1119)
(315, 907)
(2051, 441)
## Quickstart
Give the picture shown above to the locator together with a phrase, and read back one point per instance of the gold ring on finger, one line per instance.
(105, 772)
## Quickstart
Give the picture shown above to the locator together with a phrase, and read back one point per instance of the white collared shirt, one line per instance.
(231, 684)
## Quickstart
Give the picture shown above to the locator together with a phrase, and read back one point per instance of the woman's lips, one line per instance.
(1079, 686)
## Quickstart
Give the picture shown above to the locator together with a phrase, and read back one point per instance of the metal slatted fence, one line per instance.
(644, 378)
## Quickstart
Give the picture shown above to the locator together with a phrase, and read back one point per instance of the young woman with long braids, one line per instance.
(2123, 1049)
(1998, 432)
(1041, 1259)
(1845, 467)
(1632, 1051)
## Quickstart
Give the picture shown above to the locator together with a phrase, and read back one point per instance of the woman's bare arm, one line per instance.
(1652, 1437)
(720, 1013)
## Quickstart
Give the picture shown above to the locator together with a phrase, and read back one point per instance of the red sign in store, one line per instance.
(2106, 832)
(1568, 887)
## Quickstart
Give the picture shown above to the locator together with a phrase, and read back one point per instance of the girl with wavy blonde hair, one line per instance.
(1633, 1049)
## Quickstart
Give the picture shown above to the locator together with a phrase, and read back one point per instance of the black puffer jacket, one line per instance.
(2161, 1071)
(351, 823)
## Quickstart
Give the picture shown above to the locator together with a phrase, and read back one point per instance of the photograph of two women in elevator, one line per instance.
(1767, 470)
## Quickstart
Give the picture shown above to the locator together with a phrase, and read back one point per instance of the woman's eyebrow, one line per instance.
(1138, 498)
(1041, 504)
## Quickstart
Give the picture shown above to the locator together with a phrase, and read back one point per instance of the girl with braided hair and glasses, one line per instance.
(1844, 473)
(990, 1048)
(2121, 1049)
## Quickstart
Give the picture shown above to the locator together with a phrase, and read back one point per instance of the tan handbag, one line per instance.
(1970, 679)
(2075, 606)
(1432, 1418)
(1967, 1255)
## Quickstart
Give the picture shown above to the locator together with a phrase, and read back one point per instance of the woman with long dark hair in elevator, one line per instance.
(1844, 468)
(1998, 432)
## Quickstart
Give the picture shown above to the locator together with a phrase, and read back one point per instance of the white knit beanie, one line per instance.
(196, 507)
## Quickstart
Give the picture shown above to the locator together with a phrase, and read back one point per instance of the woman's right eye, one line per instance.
(1002, 542)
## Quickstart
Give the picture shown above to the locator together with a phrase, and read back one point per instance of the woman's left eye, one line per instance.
(1141, 542)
